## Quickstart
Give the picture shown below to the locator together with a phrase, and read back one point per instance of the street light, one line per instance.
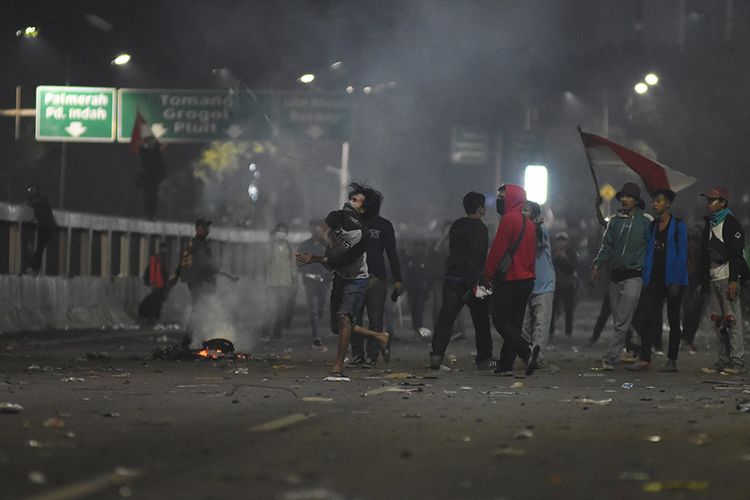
(307, 78)
(121, 59)
(640, 88)
(535, 183)
(651, 79)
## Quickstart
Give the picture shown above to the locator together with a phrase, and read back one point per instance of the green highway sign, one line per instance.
(193, 115)
(75, 114)
(314, 116)
(470, 146)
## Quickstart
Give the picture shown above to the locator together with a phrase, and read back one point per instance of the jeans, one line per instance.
(316, 290)
(456, 295)
(375, 305)
(601, 321)
(537, 319)
(508, 303)
(692, 312)
(726, 312)
(566, 295)
(652, 304)
(623, 296)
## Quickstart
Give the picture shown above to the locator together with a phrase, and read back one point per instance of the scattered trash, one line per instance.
(111, 414)
(525, 434)
(450, 392)
(699, 439)
(121, 375)
(163, 339)
(743, 406)
(635, 476)
(312, 494)
(627, 385)
(653, 439)
(317, 399)
(73, 379)
(54, 423)
(499, 393)
(509, 451)
(658, 486)
(411, 415)
(599, 402)
(37, 477)
(516, 385)
(33, 368)
(390, 388)
(283, 366)
(466, 388)
(595, 374)
(125, 492)
(281, 423)
(10, 408)
(241, 371)
(398, 375)
(98, 355)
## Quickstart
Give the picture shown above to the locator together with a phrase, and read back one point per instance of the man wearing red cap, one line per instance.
(721, 271)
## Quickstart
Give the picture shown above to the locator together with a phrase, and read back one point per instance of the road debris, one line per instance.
(73, 379)
(10, 408)
(653, 439)
(111, 414)
(317, 399)
(312, 494)
(525, 434)
(54, 423)
(398, 375)
(390, 388)
(598, 402)
(659, 486)
(498, 393)
(744, 406)
(516, 385)
(241, 371)
(509, 451)
(627, 385)
(37, 477)
(282, 423)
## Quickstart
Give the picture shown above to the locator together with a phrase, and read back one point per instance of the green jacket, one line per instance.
(624, 242)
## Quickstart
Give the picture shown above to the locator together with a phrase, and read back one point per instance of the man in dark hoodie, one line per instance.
(467, 251)
(624, 251)
(721, 271)
(346, 242)
(45, 225)
(515, 244)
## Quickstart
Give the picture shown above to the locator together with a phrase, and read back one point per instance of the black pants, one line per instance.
(567, 296)
(375, 305)
(508, 308)
(43, 234)
(651, 309)
(316, 291)
(601, 321)
(455, 295)
(150, 198)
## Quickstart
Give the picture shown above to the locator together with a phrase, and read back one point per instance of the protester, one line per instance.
(538, 316)
(509, 270)
(45, 225)
(467, 245)
(565, 260)
(721, 271)
(624, 251)
(436, 264)
(198, 270)
(281, 281)
(664, 275)
(316, 279)
(153, 172)
(693, 304)
(381, 241)
(417, 281)
(346, 239)
(156, 277)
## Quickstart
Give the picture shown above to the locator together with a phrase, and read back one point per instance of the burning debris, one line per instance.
(211, 349)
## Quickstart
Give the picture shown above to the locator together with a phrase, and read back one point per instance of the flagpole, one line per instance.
(588, 160)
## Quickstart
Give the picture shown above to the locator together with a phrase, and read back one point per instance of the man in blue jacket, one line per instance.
(664, 275)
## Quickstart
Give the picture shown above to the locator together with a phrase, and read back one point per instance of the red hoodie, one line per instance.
(522, 265)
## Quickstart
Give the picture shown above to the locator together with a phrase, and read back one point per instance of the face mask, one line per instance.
(500, 206)
(281, 236)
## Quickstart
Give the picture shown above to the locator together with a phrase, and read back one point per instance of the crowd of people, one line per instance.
(518, 283)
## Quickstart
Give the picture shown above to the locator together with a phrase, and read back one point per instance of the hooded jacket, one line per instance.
(508, 231)
(675, 268)
(624, 242)
(734, 243)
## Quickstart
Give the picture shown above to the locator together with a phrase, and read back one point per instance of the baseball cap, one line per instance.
(717, 192)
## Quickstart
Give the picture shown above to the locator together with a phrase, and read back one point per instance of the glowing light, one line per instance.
(651, 79)
(367, 89)
(349, 89)
(307, 78)
(121, 60)
(28, 32)
(535, 183)
(640, 88)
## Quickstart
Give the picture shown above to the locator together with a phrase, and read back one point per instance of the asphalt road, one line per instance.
(117, 424)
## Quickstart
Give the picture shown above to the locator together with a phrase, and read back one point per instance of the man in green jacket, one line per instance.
(624, 251)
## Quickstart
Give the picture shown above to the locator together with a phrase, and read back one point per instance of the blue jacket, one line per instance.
(544, 282)
(677, 250)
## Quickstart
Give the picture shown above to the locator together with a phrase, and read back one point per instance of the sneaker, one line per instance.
(717, 367)
(734, 369)
(532, 365)
(643, 366)
(317, 342)
(657, 351)
(607, 365)
(629, 357)
(356, 362)
(541, 364)
(692, 349)
(670, 366)
(502, 372)
(484, 364)
(435, 361)
(369, 363)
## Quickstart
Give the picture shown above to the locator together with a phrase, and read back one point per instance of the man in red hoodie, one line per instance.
(516, 236)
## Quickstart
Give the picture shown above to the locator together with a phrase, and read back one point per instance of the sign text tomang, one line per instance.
(195, 114)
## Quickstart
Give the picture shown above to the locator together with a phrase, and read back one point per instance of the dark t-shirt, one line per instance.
(467, 245)
(382, 239)
(658, 274)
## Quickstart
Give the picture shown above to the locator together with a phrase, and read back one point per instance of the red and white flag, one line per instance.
(602, 152)
(138, 133)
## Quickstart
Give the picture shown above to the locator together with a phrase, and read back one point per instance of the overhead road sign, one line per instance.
(75, 114)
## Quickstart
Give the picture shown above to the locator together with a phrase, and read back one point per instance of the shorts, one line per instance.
(347, 297)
